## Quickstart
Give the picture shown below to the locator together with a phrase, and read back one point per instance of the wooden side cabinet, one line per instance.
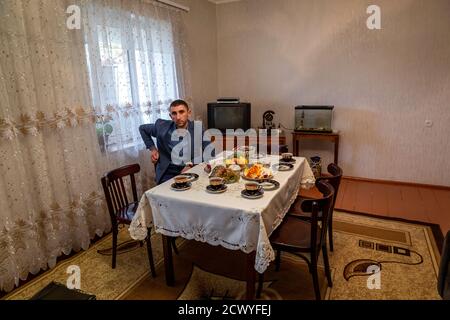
(333, 137)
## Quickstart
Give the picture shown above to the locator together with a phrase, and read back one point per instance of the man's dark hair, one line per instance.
(179, 102)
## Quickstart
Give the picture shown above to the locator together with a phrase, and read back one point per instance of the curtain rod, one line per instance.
(174, 4)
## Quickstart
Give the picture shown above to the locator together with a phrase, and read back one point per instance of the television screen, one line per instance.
(226, 117)
(229, 116)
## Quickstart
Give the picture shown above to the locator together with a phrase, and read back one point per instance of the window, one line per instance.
(133, 75)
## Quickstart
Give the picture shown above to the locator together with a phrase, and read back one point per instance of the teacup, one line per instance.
(252, 187)
(181, 180)
(216, 182)
(287, 156)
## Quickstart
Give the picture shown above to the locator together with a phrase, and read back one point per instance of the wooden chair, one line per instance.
(306, 239)
(121, 210)
(444, 270)
(334, 179)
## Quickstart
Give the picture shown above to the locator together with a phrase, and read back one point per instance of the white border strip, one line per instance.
(222, 1)
(174, 4)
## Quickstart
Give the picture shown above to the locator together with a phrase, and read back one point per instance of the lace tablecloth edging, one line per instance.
(142, 220)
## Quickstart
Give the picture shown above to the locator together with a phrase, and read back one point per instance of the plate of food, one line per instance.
(257, 172)
(227, 174)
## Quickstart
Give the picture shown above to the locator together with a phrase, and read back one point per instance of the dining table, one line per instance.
(226, 219)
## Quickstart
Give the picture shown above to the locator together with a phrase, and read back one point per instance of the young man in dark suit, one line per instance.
(169, 162)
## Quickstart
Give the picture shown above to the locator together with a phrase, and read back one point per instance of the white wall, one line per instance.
(384, 84)
(201, 26)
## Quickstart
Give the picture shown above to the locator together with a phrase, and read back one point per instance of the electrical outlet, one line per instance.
(428, 123)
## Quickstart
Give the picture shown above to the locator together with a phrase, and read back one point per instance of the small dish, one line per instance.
(270, 185)
(191, 176)
(181, 187)
(282, 166)
(219, 189)
(252, 195)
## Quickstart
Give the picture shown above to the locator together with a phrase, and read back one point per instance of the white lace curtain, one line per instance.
(135, 53)
(70, 107)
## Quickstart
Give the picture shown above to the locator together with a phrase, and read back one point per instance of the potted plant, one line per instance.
(104, 130)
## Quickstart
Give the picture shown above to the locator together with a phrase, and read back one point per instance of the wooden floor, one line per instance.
(402, 201)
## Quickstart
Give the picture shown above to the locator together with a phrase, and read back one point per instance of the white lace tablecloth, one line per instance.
(225, 219)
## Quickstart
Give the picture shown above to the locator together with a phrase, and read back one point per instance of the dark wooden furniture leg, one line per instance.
(295, 146)
(278, 260)
(336, 150)
(114, 247)
(150, 253)
(251, 276)
(168, 260)
(327, 265)
(260, 285)
(315, 277)
(174, 245)
(330, 233)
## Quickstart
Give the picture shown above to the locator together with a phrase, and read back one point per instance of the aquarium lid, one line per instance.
(314, 107)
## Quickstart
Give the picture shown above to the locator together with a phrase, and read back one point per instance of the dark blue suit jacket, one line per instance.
(160, 130)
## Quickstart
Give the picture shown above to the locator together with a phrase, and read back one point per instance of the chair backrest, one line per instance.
(335, 179)
(444, 270)
(314, 206)
(114, 188)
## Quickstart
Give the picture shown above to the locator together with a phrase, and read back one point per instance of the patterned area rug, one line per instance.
(97, 276)
(374, 258)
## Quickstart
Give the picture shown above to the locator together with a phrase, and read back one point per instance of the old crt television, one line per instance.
(225, 116)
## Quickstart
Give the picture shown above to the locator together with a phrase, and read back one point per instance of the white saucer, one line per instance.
(269, 185)
(282, 166)
(191, 176)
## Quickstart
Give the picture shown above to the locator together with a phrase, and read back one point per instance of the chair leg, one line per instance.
(327, 265)
(330, 234)
(174, 245)
(278, 261)
(150, 254)
(114, 247)
(315, 277)
(260, 285)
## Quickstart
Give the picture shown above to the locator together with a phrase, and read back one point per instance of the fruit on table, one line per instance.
(257, 171)
(207, 168)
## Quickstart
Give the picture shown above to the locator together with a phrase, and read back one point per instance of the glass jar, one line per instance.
(316, 166)
(236, 169)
